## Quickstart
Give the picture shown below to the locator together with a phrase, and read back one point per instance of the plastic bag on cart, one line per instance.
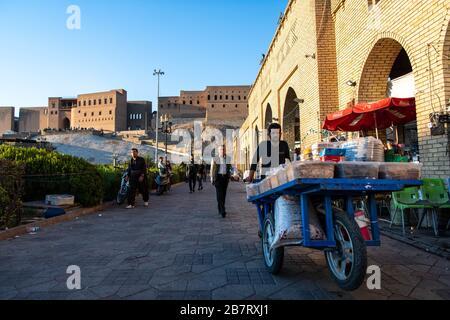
(288, 221)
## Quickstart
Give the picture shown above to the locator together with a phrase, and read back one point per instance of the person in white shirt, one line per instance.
(220, 178)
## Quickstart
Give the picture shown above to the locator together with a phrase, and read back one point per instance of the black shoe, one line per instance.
(224, 214)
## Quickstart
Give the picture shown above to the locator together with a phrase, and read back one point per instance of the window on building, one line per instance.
(100, 113)
(79, 103)
(89, 102)
(224, 106)
(106, 101)
(209, 97)
(212, 106)
(99, 101)
(232, 98)
(110, 112)
(239, 97)
(51, 112)
(84, 103)
(56, 112)
(79, 111)
(190, 102)
(85, 114)
(220, 97)
(198, 102)
(95, 102)
(236, 106)
(131, 116)
(245, 98)
(226, 97)
(184, 102)
(215, 97)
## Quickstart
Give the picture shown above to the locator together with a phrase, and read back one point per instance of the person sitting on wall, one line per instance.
(272, 153)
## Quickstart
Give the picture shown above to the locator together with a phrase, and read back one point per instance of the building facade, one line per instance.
(217, 105)
(33, 120)
(6, 119)
(102, 111)
(328, 54)
(108, 111)
(139, 115)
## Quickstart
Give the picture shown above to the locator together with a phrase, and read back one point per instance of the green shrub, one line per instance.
(111, 177)
(11, 190)
(48, 172)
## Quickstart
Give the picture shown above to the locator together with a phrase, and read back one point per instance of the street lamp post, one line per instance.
(166, 128)
(158, 73)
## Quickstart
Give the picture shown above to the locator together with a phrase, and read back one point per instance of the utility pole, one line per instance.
(158, 73)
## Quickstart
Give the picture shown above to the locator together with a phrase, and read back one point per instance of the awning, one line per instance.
(371, 116)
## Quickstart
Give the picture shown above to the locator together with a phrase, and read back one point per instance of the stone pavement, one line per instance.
(181, 248)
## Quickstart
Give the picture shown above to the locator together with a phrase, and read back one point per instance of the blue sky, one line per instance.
(196, 42)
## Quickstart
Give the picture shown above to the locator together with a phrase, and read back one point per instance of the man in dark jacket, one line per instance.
(191, 174)
(137, 176)
(272, 153)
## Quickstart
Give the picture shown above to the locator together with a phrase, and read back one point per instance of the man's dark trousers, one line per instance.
(192, 183)
(221, 191)
(136, 185)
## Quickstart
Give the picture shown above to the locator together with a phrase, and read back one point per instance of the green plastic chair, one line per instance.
(409, 198)
(436, 193)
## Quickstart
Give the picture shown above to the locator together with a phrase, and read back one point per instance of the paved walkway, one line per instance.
(181, 249)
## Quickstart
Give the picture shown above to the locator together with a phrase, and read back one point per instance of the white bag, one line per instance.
(288, 221)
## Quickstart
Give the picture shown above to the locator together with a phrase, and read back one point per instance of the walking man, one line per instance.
(137, 175)
(191, 174)
(200, 174)
(220, 178)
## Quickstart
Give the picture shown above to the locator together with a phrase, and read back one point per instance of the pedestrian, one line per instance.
(221, 171)
(137, 176)
(191, 174)
(205, 172)
(200, 175)
(272, 153)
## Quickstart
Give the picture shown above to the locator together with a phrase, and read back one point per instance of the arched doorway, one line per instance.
(388, 72)
(268, 119)
(66, 124)
(291, 120)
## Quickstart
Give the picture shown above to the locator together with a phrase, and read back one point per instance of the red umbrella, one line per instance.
(373, 116)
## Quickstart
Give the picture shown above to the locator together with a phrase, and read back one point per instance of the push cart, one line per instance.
(344, 246)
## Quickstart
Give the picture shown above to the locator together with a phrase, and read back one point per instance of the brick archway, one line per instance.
(66, 123)
(373, 84)
(291, 119)
(268, 118)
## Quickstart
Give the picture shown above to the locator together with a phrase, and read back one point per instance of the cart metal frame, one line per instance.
(348, 189)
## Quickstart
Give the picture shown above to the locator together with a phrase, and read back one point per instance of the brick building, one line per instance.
(381, 47)
(6, 119)
(217, 105)
(108, 111)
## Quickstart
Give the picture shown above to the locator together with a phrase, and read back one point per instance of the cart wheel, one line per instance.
(272, 258)
(348, 262)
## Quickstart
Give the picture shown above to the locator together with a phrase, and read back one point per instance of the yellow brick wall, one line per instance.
(352, 42)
